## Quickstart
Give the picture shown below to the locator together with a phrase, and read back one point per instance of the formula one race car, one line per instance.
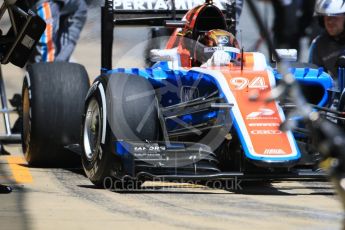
(178, 119)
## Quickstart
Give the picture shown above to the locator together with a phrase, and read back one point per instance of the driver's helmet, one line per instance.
(212, 41)
(329, 7)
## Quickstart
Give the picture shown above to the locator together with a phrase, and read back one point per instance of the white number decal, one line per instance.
(241, 83)
(258, 83)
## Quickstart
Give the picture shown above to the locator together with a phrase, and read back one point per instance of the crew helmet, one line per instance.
(329, 7)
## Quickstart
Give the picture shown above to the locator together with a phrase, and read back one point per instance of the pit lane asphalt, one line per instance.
(65, 199)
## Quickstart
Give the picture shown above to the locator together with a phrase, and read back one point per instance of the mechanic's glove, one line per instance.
(219, 58)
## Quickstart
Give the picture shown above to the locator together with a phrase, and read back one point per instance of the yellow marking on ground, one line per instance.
(21, 174)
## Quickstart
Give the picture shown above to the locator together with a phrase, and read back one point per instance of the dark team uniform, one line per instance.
(65, 20)
(325, 51)
(292, 18)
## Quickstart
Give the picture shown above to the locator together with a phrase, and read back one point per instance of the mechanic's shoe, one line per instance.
(18, 125)
(16, 101)
(3, 150)
(5, 189)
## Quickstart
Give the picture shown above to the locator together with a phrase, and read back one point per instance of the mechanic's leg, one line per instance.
(47, 48)
(239, 6)
(286, 24)
(308, 23)
(71, 24)
(307, 8)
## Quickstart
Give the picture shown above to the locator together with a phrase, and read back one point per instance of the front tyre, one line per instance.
(115, 108)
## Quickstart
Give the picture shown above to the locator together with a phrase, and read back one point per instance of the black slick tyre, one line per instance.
(115, 108)
(53, 102)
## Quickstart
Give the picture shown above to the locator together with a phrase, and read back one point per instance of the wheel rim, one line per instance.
(92, 130)
(26, 120)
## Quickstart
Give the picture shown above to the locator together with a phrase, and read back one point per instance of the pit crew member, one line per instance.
(65, 20)
(328, 46)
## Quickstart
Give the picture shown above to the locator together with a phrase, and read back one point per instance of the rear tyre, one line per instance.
(53, 102)
(110, 116)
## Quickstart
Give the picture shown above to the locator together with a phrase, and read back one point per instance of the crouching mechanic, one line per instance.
(65, 20)
(327, 47)
(214, 48)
